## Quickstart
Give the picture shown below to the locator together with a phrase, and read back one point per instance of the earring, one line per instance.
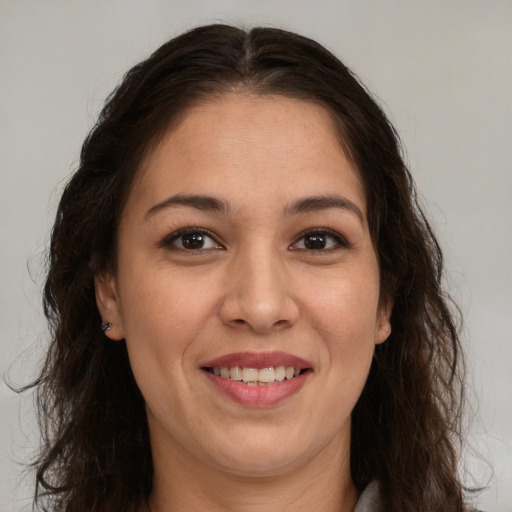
(106, 326)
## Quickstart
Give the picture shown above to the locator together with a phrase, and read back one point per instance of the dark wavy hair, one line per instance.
(406, 426)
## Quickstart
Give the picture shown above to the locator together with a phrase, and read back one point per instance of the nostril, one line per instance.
(258, 312)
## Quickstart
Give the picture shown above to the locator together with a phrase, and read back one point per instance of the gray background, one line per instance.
(442, 70)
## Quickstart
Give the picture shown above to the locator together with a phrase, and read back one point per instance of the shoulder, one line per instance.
(370, 500)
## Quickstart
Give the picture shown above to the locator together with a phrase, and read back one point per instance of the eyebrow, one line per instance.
(324, 202)
(308, 204)
(199, 202)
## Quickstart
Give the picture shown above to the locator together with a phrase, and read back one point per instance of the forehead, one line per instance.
(250, 142)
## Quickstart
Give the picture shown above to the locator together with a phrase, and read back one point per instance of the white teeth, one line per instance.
(255, 376)
(249, 374)
(280, 373)
(267, 375)
(235, 373)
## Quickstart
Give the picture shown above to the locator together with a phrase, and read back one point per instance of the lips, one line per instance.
(258, 379)
(258, 360)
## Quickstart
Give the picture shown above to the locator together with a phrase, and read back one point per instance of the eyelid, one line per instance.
(168, 240)
(341, 241)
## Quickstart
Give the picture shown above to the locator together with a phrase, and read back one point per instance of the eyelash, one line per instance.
(340, 241)
(169, 240)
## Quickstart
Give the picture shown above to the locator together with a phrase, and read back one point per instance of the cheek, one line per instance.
(345, 317)
(347, 326)
(346, 309)
(167, 316)
(161, 319)
(161, 326)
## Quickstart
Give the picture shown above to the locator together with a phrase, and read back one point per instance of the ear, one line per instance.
(383, 324)
(107, 301)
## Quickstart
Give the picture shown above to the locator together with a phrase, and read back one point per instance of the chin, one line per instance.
(265, 457)
(261, 467)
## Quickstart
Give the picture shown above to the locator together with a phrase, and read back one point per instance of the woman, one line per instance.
(245, 297)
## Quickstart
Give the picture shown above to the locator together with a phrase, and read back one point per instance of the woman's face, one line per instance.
(244, 253)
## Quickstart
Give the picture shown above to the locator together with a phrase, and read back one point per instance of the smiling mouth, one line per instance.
(258, 379)
(268, 376)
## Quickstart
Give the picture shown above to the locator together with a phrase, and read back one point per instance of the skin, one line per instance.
(253, 286)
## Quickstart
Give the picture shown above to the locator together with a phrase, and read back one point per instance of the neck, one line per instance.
(322, 484)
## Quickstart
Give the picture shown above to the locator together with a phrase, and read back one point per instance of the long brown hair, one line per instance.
(406, 431)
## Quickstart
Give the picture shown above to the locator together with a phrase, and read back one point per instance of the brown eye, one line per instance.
(190, 239)
(193, 241)
(315, 241)
(320, 240)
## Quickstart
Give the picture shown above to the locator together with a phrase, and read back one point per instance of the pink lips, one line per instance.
(258, 396)
(258, 360)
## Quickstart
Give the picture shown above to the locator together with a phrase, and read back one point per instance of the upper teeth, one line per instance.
(257, 376)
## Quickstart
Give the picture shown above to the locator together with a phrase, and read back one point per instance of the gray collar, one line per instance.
(369, 501)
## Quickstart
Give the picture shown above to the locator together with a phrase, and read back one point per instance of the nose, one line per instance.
(258, 294)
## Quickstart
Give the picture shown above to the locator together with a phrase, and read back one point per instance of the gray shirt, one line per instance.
(369, 501)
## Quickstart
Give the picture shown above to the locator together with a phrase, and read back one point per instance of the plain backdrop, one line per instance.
(442, 70)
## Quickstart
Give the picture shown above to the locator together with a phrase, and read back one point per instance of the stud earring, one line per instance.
(106, 326)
